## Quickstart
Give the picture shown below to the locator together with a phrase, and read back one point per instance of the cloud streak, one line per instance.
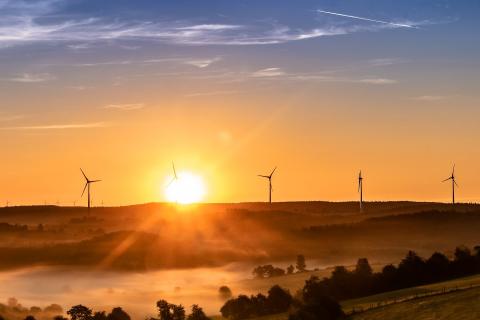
(31, 22)
(32, 78)
(402, 25)
(60, 126)
(125, 107)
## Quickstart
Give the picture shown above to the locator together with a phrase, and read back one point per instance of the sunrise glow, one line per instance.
(188, 188)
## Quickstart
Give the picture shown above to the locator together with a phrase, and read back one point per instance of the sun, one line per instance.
(186, 189)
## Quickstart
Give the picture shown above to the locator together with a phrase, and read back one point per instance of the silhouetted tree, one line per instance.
(80, 312)
(464, 262)
(301, 265)
(316, 304)
(164, 312)
(411, 270)
(438, 267)
(197, 314)
(278, 299)
(118, 314)
(363, 268)
(267, 271)
(290, 269)
(30, 318)
(236, 309)
(99, 315)
(224, 293)
(178, 312)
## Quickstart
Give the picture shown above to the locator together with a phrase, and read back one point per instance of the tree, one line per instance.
(239, 308)
(197, 314)
(316, 304)
(164, 310)
(438, 267)
(279, 300)
(80, 312)
(290, 269)
(30, 318)
(118, 314)
(412, 270)
(99, 315)
(301, 265)
(363, 268)
(224, 293)
(178, 312)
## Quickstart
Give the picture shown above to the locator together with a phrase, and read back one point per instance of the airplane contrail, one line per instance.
(366, 19)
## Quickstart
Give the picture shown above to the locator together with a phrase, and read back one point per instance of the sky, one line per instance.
(230, 89)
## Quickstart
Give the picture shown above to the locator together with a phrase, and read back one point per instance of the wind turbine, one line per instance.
(87, 186)
(454, 183)
(175, 177)
(360, 189)
(270, 189)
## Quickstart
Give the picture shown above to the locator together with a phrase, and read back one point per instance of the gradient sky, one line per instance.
(230, 89)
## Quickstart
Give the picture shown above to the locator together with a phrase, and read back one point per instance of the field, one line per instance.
(161, 236)
(463, 304)
(148, 252)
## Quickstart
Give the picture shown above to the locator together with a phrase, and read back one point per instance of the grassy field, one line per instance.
(408, 293)
(460, 305)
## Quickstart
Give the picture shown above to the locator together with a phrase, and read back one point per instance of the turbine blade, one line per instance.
(453, 170)
(456, 183)
(84, 174)
(170, 183)
(95, 181)
(450, 178)
(86, 184)
(263, 176)
(271, 174)
(174, 171)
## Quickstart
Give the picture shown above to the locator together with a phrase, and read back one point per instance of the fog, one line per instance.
(137, 293)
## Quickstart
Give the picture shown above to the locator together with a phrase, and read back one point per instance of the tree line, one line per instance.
(318, 299)
(269, 271)
(412, 271)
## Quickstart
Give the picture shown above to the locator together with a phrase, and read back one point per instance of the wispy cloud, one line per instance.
(382, 62)
(27, 22)
(212, 93)
(379, 81)
(60, 126)
(125, 107)
(210, 27)
(428, 98)
(269, 72)
(32, 77)
(10, 117)
(402, 25)
(202, 63)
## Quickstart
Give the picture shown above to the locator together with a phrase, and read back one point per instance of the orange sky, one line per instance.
(226, 103)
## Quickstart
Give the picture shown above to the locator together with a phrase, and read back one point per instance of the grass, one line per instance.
(365, 302)
(458, 305)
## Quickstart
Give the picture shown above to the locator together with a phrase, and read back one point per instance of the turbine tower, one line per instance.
(87, 186)
(454, 183)
(270, 188)
(360, 189)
